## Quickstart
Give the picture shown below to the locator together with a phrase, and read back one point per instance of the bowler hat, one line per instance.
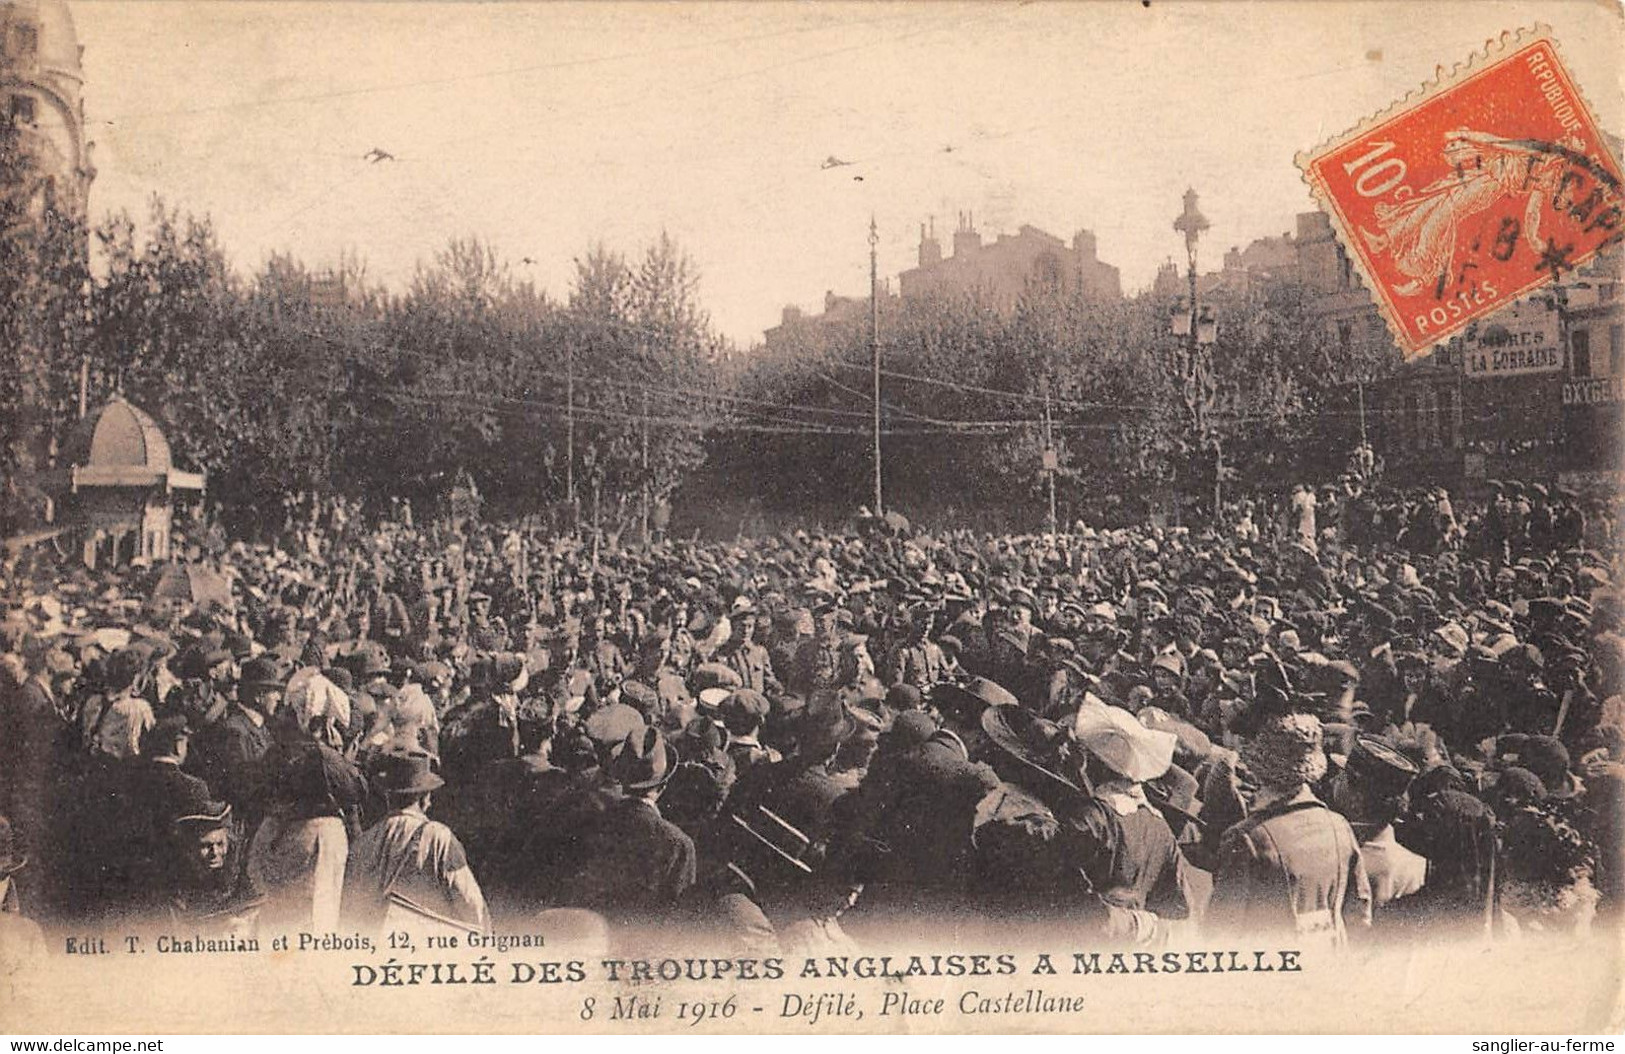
(262, 673)
(912, 729)
(903, 696)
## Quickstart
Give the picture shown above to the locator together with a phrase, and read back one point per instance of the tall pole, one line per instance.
(1194, 347)
(646, 482)
(84, 386)
(1049, 455)
(1191, 223)
(874, 347)
(570, 429)
(1359, 388)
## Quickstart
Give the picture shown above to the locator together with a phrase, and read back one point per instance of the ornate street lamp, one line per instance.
(1200, 329)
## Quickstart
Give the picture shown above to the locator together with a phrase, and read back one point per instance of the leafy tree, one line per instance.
(44, 276)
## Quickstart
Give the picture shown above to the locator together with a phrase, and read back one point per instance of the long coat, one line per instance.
(1291, 867)
(636, 864)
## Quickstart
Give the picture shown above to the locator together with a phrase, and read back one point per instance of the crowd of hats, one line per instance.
(1490, 654)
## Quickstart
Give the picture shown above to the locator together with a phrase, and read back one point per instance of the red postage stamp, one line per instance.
(1462, 197)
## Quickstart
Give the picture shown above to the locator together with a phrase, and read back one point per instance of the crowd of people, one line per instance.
(1352, 714)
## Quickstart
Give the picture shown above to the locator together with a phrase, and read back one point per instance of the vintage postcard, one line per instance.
(818, 519)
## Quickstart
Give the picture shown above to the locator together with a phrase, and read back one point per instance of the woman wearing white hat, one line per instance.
(1125, 846)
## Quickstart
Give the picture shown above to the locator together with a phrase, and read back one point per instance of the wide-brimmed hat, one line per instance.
(406, 773)
(1039, 745)
(969, 700)
(11, 861)
(1113, 735)
(1176, 790)
(642, 761)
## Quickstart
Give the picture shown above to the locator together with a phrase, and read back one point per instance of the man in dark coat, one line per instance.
(637, 865)
(800, 789)
(232, 756)
(920, 799)
(156, 788)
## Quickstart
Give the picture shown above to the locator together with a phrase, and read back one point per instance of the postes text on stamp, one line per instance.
(1486, 184)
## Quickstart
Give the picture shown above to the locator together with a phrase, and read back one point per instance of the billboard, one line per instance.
(1523, 339)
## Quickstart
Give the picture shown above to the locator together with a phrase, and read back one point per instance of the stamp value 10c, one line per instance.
(1487, 184)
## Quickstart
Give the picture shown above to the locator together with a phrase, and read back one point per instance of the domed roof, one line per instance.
(122, 446)
(123, 434)
(58, 37)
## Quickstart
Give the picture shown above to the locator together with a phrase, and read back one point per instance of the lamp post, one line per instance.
(1200, 330)
(874, 349)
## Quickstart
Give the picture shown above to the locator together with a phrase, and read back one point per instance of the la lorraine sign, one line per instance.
(1523, 339)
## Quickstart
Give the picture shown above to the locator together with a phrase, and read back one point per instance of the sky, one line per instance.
(546, 128)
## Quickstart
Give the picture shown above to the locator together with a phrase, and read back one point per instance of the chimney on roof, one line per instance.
(930, 248)
(966, 240)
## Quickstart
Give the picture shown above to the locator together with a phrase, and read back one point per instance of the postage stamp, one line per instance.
(1489, 182)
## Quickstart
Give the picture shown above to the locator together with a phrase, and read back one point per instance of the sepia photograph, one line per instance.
(609, 518)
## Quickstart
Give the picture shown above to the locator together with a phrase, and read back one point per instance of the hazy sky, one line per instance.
(544, 127)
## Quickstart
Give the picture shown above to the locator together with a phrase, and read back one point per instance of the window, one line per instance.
(22, 109)
(1616, 350)
(1345, 272)
(1580, 354)
(1345, 334)
(27, 40)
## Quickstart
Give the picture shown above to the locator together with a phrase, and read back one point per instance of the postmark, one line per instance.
(1490, 182)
